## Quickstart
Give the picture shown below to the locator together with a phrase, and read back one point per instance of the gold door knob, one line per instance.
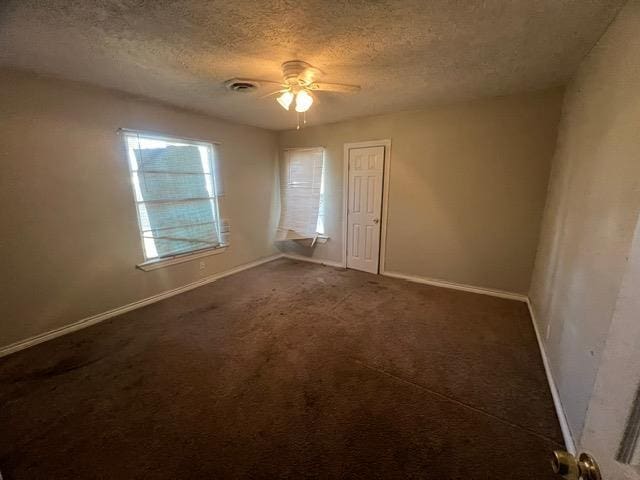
(566, 465)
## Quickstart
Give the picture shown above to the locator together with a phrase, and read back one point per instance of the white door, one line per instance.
(366, 167)
(612, 427)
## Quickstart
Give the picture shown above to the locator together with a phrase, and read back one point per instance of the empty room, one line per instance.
(394, 239)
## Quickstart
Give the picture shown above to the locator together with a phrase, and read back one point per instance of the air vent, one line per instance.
(241, 86)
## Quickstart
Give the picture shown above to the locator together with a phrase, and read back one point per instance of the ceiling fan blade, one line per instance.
(262, 80)
(334, 87)
(274, 93)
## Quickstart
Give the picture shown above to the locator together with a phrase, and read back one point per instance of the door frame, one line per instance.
(386, 143)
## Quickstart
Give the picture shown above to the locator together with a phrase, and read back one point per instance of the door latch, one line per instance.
(583, 468)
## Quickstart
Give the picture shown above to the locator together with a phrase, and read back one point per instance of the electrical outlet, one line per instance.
(202, 265)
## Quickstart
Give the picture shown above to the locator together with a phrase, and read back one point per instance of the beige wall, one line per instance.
(592, 210)
(467, 186)
(70, 240)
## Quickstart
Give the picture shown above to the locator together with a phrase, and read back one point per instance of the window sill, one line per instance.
(287, 235)
(150, 265)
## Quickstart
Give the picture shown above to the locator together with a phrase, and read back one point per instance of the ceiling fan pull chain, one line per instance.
(298, 115)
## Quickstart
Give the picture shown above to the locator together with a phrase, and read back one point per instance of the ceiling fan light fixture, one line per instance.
(285, 99)
(299, 87)
(304, 100)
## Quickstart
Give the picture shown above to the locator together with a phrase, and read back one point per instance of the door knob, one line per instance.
(582, 468)
(376, 220)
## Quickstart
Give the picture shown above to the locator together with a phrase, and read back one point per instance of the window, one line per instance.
(302, 192)
(175, 189)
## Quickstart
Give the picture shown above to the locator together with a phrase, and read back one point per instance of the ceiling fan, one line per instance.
(299, 86)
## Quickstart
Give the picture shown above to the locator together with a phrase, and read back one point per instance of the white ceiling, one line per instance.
(404, 54)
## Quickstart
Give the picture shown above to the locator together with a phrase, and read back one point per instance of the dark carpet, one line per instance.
(287, 370)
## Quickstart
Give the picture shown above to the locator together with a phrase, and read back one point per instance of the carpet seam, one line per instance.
(455, 401)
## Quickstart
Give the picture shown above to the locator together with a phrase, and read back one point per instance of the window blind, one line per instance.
(175, 191)
(301, 192)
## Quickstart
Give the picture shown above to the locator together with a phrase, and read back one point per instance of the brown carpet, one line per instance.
(287, 370)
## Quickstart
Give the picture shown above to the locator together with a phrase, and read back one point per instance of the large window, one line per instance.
(174, 185)
(302, 193)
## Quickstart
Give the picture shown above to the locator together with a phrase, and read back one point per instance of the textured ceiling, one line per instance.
(404, 54)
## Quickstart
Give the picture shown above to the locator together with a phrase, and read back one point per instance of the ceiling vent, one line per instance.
(242, 86)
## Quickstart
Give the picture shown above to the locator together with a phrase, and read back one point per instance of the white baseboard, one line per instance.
(328, 263)
(92, 320)
(562, 418)
(457, 286)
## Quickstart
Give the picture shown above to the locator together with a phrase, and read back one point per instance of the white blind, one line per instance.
(175, 191)
(301, 190)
